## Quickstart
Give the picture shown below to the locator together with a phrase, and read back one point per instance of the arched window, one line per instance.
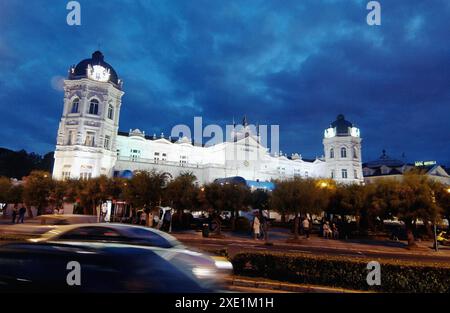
(110, 112)
(343, 152)
(332, 153)
(93, 107)
(355, 153)
(75, 104)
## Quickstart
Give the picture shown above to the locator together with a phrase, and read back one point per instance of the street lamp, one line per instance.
(448, 190)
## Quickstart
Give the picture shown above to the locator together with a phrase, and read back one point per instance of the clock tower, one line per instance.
(342, 145)
(86, 140)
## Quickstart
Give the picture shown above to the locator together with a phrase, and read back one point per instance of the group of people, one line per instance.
(330, 231)
(18, 215)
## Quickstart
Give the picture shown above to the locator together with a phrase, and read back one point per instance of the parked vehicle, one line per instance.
(66, 219)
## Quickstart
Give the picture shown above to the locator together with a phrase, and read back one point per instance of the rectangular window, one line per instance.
(85, 175)
(110, 112)
(107, 142)
(65, 175)
(332, 174)
(344, 173)
(90, 136)
(356, 174)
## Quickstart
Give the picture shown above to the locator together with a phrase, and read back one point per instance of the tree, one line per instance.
(182, 193)
(143, 190)
(352, 200)
(408, 200)
(93, 192)
(298, 196)
(236, 197)
(214, 196)
(37, 188)
(5, 187)
(442, 197)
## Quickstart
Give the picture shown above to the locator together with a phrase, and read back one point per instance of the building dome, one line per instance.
(81, 70)
(342, 126)
(385, 160)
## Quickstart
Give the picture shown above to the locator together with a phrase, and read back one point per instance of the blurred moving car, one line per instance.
(117, 233)
(44, 223)
(106, 267)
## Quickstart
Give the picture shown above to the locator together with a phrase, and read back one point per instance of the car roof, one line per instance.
(126, 228)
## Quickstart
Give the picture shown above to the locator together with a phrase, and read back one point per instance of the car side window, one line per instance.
(151, 238)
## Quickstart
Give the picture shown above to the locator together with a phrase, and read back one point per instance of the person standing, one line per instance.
(143, 218)
(305, 225)
(22, 212)
(14, 214)
(150, 219)
(256, 227)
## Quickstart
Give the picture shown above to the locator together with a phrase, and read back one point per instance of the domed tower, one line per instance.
(342, 144)
(86, 141)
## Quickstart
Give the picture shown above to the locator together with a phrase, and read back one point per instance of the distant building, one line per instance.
(89, 143)
(387, 167)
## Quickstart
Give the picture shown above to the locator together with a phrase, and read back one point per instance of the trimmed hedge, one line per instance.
(344, 272)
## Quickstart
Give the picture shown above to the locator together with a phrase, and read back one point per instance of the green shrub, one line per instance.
(344, 272)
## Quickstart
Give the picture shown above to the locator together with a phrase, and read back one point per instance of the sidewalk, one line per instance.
(279, 240)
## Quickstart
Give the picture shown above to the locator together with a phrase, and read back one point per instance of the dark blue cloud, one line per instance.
(293, 63)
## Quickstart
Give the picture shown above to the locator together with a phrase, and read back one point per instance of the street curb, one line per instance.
(288, 287)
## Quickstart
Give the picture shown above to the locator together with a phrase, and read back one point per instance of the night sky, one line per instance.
(293, 63)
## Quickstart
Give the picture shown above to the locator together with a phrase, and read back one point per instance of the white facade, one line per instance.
(89, 145)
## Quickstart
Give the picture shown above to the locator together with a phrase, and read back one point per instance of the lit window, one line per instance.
(344, 173)
(343, 152)
(75, 104)
(331, 153)
(110, 112)
(93, 107)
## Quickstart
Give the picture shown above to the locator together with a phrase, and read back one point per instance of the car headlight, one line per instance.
(223, 265)
(204, 272)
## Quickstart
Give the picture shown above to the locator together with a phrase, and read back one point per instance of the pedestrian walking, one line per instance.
(305, 225)
(256, 227)
(22, 212)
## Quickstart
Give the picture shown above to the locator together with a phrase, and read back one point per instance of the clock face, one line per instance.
(98, 73)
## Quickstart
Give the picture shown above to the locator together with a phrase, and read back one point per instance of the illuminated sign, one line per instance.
(424, 163)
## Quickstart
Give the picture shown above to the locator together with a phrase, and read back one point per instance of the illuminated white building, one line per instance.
(89, 144)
